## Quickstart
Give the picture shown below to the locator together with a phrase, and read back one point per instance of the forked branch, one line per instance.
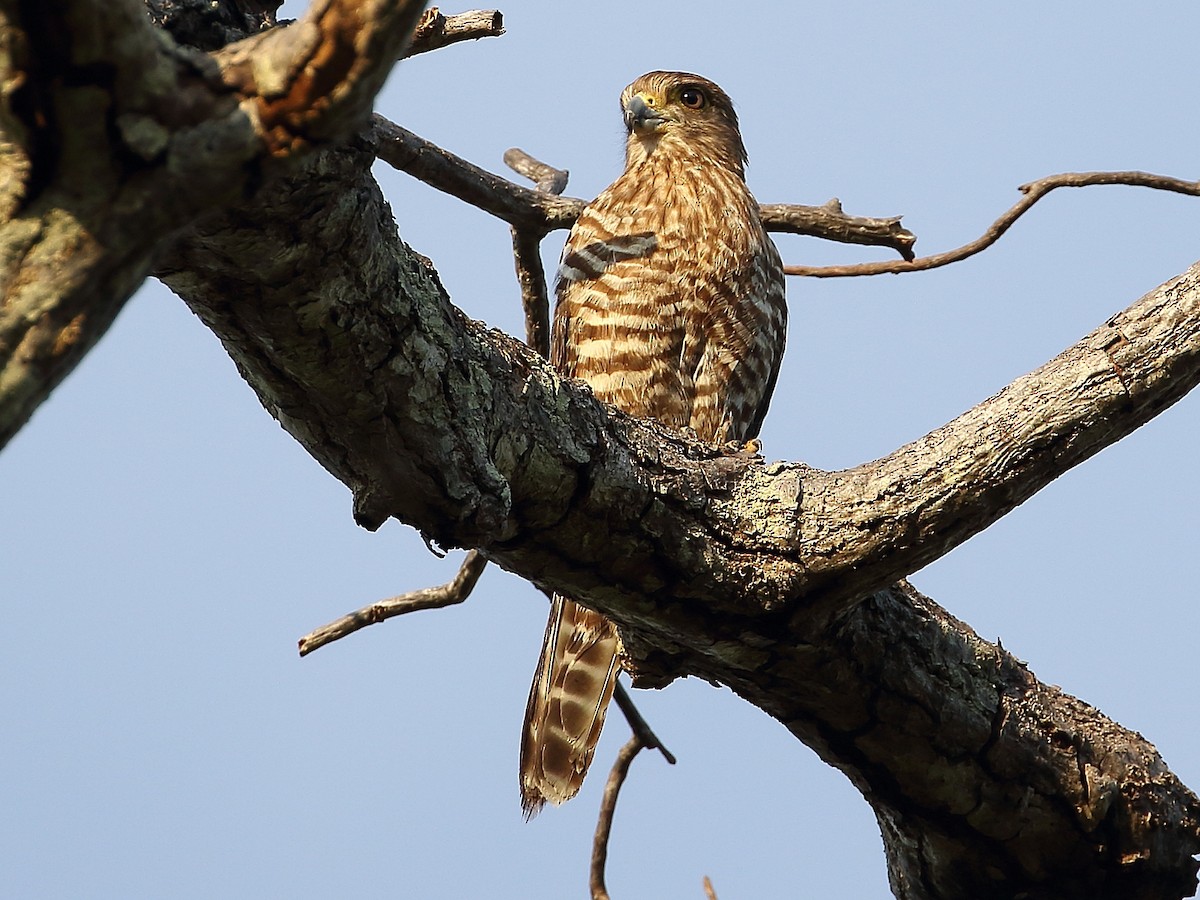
(544, 211)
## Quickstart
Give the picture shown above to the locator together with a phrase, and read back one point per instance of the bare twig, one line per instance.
(435, 31)
(448, 594)
(545, 176)
(710, 892)
(1033, 191)
(527, 250)
(829, 222)
(608, 806)
(638, 724)
(642, 739)
(527, 255)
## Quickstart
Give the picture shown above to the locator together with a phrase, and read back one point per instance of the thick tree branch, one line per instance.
(722, 566)
(115, 139)
(680, 506)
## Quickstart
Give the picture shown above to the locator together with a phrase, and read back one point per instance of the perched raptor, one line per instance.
(671, 307)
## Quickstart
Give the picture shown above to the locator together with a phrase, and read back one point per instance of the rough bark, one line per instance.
(114, 137)
(718, 565)
(771, 578)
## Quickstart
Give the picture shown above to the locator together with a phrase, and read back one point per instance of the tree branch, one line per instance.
(198, 146)
(452, 592)
(540, 211)
(441, 169)
(831, 223)
(435, 30)
(608, 808)
(1033, 191)
(547, 178)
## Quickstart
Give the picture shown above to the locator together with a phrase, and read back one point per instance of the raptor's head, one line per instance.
(662, 108)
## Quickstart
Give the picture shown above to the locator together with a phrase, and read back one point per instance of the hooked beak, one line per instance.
(641, 116)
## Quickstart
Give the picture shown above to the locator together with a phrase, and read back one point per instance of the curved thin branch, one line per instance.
(608, 808)
(1033, 191)
(448, 594)
(642, 739)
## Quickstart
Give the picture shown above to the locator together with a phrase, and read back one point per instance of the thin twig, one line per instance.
(1033, 191)
(435, 31)
(527, 250)
(638, 724)
(829, 222)
(642, 739)
(608, 806)
(527, 255)
(710, 892)
(448, 594)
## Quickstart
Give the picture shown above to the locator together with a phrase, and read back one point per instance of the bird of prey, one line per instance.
(671, 307)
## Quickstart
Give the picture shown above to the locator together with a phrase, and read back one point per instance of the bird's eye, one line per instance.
(692, 98)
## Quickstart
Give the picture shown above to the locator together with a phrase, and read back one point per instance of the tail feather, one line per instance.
(567, 702)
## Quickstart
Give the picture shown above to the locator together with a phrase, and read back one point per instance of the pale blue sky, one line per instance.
(164, 543)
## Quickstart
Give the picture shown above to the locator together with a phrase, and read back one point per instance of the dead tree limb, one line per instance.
(435, 30)
(452, 592)
(1033, 191)
(544, 176)
(608, 809)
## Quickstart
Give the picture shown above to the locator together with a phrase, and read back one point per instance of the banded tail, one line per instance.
(571, 691)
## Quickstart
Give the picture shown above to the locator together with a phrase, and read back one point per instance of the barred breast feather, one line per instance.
(671, 307)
